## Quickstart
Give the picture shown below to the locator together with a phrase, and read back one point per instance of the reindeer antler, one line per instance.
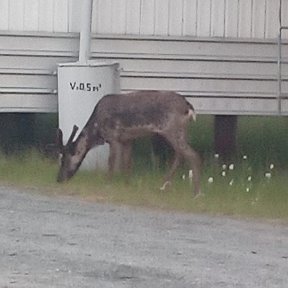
(59, 139)
(74, 131)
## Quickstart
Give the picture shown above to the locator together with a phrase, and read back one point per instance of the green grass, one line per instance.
(243, 191)
(246, 191)
(29, 168)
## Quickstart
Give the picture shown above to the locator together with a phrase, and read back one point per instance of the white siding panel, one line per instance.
(31, 15)
(258, 18)
(16, 15)
(4, 8)
(147, 17)
(231, 18)
(245, 18)
(218, 18)
(161, 17)
(272, 19)
(61, 15)
(118, 16)
(74, 11)
(284, 13)
(103, 16)
(133, 16)
(176, 17)
(46, 15)
(203, 17)
(190, 17)
(94, 25)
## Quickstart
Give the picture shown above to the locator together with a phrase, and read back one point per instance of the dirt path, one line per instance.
(61, 242)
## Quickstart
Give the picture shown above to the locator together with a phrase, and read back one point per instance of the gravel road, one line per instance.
(65, 242)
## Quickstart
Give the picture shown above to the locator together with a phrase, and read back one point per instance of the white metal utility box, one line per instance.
(80, 87)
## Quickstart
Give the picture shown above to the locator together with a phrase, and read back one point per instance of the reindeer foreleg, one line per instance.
(114, 161)
(126, 161)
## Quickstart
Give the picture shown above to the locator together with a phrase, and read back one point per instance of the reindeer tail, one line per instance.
(191, 112)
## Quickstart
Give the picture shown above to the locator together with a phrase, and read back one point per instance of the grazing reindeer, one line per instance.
(118, 119)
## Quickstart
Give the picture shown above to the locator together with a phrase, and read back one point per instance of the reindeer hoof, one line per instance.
(165, 185)
(199, 195)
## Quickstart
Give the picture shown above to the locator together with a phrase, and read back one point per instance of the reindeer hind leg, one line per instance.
(126, 154)
(171, 171)
(194, 162)
(182, 148)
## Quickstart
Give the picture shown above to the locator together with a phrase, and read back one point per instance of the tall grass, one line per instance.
(252, 184)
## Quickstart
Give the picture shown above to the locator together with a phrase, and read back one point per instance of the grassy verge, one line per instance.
(253, 185)
(229, 190)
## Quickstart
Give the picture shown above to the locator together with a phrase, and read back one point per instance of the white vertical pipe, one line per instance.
(85, 33)
(280, 13)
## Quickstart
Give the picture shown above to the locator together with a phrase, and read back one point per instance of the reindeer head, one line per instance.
(69, 160)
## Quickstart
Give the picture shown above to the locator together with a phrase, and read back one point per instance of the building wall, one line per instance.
(201, 18)
(227, 65)
(35, 15)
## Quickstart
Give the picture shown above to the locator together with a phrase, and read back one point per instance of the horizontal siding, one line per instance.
(28, 70)
(218, 76)
(197, 18)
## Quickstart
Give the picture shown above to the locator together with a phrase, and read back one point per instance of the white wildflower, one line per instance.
(271, 166)
(249, 178)
(231, 182)
(216, 156)
(210, 180)
(223, 173)
(183, 177)
(224, 166)
(268, 175)
(231, 166)
(245, 157)
(190, 176)
(247, 189)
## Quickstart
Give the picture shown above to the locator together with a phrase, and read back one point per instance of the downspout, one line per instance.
(279, 60)
(85, 33)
